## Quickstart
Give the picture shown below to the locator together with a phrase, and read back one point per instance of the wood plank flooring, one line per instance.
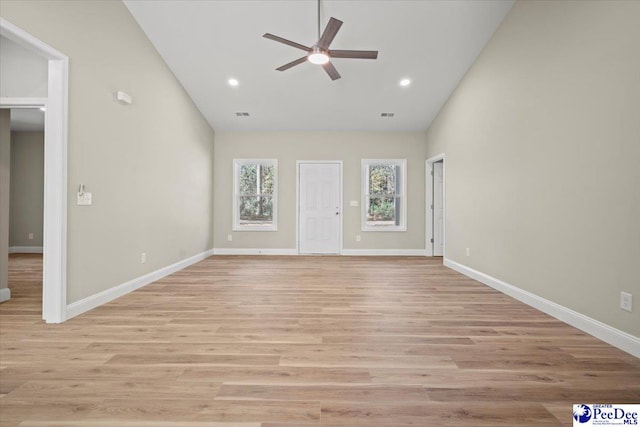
(301, 341)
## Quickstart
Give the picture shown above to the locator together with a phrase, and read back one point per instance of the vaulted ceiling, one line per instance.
(432, 43)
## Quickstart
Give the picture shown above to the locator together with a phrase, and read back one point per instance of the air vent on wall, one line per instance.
(242, 114)
(387, 114)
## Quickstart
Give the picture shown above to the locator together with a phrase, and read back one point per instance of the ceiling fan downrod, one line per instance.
(318, 19)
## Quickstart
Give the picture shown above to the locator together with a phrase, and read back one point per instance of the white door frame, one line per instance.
(298, 163)
(54, 280)
(429, 202)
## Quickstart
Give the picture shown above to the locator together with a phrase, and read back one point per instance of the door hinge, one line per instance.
(431, 207)
(432, 240)
(431, 173)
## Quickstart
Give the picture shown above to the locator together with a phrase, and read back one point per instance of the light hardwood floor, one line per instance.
(301, 341)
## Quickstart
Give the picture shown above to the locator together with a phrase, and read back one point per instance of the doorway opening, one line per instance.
(26, 206)
(435, 207)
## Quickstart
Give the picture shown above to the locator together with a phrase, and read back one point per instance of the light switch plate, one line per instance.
(84, 199)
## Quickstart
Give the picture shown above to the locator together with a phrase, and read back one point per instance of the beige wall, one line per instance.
(5, 185)
(350, 147)
(148, 165)
(542, 143)
(24, 73)
(27, 188)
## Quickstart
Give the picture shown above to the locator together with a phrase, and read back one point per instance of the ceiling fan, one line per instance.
(320, 53)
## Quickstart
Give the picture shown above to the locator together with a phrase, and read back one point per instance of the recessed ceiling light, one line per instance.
(405, 82)
(233, 82)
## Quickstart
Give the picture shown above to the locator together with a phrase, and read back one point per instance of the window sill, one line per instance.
(239, 228)
(384, 228)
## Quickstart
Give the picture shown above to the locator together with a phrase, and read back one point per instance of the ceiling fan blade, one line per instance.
(329, 33)
(356, 54)
(285, 41)
(331, 70)
(292, 64)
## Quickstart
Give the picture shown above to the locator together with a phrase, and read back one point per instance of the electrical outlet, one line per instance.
(229, 237)
(468, 252)
(143, 257)
(30, 236)
(358, 238)
(626, 301)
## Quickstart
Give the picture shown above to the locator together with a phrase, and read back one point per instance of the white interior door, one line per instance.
(438, 209)
(319, 208)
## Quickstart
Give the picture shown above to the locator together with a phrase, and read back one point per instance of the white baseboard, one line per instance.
(110, 294)
(253, 251)
(346, 252)
(25, 249)
(602, 331)
(383, 252)
(5, 294)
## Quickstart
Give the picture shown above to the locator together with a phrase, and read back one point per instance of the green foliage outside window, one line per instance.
(382, 200)
(256, 194)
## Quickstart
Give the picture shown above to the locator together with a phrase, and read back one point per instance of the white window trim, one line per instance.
(364, 189)
(237, 163)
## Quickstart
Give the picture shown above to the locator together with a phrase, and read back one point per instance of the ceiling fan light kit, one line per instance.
(319, 53)
(318, 56)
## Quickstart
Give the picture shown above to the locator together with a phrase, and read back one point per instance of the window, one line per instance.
(255, 198)
(384, 201)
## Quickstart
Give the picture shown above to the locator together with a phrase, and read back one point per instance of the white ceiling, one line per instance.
(207, 42)
(27, 120)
